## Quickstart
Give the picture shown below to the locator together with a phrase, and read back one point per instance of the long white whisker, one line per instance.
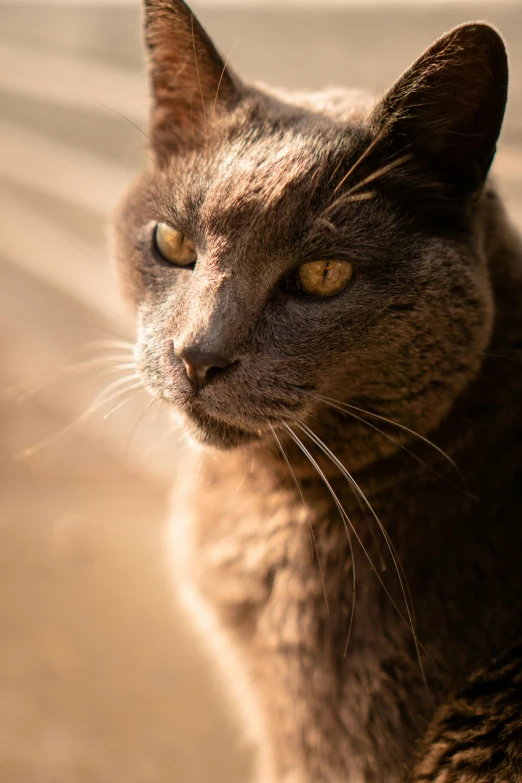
(127, 366)
(400, 445)
(300, 491)
(167, 432)
(116, 384)
(344, 405)
(114, 396)
(101, 399)
(344, 517)
(400, 572)
(72, 368)
(94, 345)
(135, 427)
(117, 407)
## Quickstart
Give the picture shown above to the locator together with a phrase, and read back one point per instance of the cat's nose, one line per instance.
(201, 366)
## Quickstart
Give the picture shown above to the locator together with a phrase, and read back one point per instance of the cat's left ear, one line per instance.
(448, 107)
(190, 82)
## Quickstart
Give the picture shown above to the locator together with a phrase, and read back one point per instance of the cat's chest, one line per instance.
(255, 574)
(272, 565)
(231, 543)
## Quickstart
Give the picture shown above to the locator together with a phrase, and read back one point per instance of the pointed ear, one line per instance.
(189, 80)
(449, 105)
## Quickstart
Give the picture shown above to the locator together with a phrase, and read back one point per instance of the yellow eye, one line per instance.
(174, 246)
(324, 278)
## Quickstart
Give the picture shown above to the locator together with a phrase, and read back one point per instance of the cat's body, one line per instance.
(417, 675)
(242, 544)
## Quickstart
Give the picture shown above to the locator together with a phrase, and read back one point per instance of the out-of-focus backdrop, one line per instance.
(101, 677)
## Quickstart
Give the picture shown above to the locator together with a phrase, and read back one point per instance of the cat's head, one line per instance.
(285, 247)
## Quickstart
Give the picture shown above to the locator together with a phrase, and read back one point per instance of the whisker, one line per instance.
(400, 571)
(344, 405)
(134, 125)
(312, 534)
(359, 196)
(136, 425)
(146, 154)
(379, 173)
(167, 432)
(347, 199)
(128, 366)
(199, 81)
(324, 222)
(86, 364)
(127, 345)
(361, 157)
(101, 399)
(118, 382)
(494, 354)
(124, 117)
(223, 74)
(242, 481)
(401, 446)
(117, 407)
(344, 517)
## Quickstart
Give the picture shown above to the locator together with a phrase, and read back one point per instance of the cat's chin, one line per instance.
(215, 434)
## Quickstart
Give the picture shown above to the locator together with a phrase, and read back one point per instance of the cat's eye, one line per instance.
(323, 278)
(174, 246)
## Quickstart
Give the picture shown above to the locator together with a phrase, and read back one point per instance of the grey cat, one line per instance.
(329, 293)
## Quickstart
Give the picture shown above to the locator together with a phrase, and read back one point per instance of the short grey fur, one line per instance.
(349, 534)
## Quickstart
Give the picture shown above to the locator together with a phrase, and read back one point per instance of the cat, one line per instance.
(329, 293)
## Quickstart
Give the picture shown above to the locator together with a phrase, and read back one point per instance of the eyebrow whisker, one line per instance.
(363, 156)
(380, 172)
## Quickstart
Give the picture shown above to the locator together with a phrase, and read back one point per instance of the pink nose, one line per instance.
(201, 367)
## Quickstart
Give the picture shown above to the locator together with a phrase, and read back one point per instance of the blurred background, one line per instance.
(101, 676)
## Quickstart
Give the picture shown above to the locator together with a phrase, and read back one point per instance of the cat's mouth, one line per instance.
(207, 430)
(222, 416)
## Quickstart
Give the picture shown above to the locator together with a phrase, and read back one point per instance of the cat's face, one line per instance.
(278, 252)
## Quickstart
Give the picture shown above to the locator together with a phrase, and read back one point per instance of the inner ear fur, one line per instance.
(189, 79)
(449, 105)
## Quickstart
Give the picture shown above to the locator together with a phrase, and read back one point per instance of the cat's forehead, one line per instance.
(270, 177)
(261, 182)
(261, 170)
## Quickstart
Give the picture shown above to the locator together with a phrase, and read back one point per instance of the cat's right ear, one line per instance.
(190, 82)
(449, 105)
